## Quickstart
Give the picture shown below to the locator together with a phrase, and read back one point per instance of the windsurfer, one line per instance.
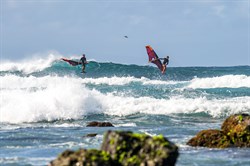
(83, 61)
(164, 63)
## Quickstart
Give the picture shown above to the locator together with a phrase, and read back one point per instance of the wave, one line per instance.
(39, 63)
(30, 65)
(228, 81)
(10, 81)
(51, 64)
(49, 98)
(127, 80)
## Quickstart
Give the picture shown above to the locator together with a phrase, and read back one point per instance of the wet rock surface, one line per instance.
(235, 132)
(123, 148)
(99, 124)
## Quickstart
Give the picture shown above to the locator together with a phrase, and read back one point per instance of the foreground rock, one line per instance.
(99, 124)
(83, 157)
(121, 148)
(139, 149)
(235, 132)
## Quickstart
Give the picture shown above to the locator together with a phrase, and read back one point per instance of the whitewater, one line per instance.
(46, 104)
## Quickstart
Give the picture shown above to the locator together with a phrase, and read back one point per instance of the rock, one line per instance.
(237, 128)
(91, 135)
(139, 149)
(210, 139)
(83, 157)
(235, 132)
(121, 148)
(99, 124)
(237, 123)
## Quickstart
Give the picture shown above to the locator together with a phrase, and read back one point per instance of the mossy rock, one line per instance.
(236, 123)
(210, 138)
(83, 157)
(235, 132)
(240, 139)
(237, 128)
(121, 148)
(139, 149)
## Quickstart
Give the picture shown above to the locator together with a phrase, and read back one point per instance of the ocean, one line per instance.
(46, 104)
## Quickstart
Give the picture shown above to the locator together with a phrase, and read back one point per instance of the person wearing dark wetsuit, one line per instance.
(165, 60)
(83, 61)
(164, 63)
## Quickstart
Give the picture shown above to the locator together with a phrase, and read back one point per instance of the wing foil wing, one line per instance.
(71, 62)
(153, 58)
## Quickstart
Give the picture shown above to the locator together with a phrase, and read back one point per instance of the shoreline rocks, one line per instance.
(123, 148)
(83, 157)
(235, 132)
(139, 149)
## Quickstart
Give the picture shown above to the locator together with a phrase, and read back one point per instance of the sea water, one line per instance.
(46, 104)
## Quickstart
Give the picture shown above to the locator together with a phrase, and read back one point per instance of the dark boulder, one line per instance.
(121, 148)
(83, 157)
(90, 135)
(139, 149)
(99, 124)
(210, 139)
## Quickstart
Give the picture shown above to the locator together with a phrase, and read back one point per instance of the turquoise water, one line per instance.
(46, 105)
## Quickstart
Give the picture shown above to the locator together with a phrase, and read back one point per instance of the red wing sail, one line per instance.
(152, 57)
(71, 62)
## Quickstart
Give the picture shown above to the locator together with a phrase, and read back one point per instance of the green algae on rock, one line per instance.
(210, 139)
(235, 132)
(139, 149)
(82, 157)
(123, 148)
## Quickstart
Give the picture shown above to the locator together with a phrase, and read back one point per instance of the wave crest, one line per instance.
(33, 99)
(31, 65)
(226, 81)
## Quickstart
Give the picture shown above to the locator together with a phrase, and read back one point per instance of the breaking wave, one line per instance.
(33, 99)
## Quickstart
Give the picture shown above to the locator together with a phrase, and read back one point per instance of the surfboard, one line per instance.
(153, 58)
(71, 62)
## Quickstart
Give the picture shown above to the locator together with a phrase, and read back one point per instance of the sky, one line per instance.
(191, 32)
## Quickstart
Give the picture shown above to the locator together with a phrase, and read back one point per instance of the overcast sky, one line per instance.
(191, 32)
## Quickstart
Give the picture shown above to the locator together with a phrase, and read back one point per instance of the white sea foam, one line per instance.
(28, 99)
(129, 105)
(34, 64)
(126, 125)
(230, 81)
(32, 99)
(126, 80)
